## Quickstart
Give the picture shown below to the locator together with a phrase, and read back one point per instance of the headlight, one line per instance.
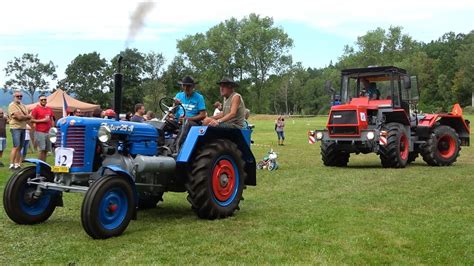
(104, 134)
(370, 135)
(319, 135)
(53, 134)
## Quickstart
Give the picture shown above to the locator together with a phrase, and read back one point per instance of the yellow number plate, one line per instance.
(60, 169)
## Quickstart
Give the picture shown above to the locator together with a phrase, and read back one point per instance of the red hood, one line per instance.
(363, 102)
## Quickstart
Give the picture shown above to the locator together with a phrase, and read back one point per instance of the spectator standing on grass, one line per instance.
(139, 113)
(43, 117)
(18, 118)
(279, 128)
(3, 134)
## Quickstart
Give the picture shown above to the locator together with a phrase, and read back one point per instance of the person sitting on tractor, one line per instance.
(373, 92)
(233, 111)
(370, 90)
(194, 105)
(192, 101)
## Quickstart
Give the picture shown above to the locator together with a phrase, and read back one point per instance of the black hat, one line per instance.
(188, 80)
(228, 81)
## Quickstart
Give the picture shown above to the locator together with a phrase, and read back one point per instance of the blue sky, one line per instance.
(61, 30)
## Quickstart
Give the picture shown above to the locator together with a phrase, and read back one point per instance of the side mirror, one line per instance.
(406, 82)
(328, 87)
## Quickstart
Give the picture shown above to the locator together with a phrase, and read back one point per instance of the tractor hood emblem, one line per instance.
(119, 127)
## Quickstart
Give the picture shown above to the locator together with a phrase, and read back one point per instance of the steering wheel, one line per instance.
(169, 106)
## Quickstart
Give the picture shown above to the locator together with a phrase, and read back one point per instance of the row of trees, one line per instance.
(258, 55)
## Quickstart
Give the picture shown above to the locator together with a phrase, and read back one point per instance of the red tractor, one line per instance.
(376, 114)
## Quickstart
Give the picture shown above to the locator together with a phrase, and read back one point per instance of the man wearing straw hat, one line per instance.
(233, 110)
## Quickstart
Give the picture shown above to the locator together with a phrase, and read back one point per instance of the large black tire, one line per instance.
(216, 179)
(442, 148)
(332, 156)
(108, 207)
(396, 152)
(148, 201)
(20, 204)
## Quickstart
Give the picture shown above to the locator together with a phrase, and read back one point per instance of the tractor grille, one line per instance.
(343, 131)
(75, 138)
(343, 123)
(343, 117)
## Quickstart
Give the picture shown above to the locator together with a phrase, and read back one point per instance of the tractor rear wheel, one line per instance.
(395, 153)
(216, 179)
(331, 156)
(442, 148)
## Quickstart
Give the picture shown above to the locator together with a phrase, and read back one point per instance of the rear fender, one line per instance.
(458, 124)
(198, 135)
(453, 119)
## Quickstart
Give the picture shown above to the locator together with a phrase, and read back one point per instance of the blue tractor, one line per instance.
(124, 166)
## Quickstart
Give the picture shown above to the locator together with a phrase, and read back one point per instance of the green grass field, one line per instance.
(303, 213)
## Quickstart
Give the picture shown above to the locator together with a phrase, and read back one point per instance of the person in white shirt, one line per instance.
(24, 149)
(218, 106)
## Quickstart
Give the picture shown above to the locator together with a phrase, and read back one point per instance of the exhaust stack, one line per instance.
(118, 87)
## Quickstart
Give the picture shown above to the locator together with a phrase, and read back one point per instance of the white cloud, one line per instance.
(93, 19)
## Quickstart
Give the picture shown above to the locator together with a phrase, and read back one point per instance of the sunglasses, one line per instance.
(43, 100)
(19, 96)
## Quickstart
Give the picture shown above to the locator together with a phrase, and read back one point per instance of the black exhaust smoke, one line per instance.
(118, 87)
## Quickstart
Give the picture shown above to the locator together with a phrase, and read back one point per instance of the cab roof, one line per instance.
(373, 71)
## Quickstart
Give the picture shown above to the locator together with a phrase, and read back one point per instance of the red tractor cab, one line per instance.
(377, 114)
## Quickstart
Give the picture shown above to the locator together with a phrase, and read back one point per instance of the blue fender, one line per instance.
(188, 146)
(117, 169)
(38, 163)
(239, 136)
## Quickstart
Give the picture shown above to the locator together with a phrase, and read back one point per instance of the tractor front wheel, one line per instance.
(395, 154)
(216, 179)
(108, 207)
(22, 202)
(332, 156)
(442, 148)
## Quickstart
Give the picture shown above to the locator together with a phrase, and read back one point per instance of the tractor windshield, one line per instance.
(375, 86)
(366, 87)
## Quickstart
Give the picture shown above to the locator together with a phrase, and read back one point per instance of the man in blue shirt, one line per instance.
(191, 100)
(193, 103)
